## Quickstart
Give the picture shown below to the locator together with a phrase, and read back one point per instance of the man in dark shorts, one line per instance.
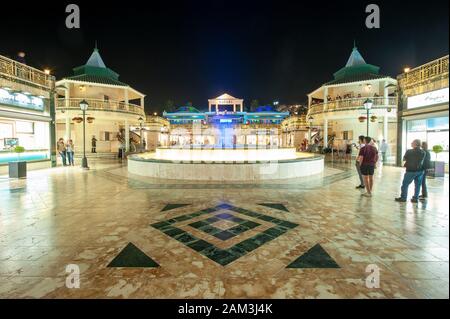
(368, 158)
(358, 166)
(414, 160)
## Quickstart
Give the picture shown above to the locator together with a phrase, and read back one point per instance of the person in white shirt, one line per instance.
(384, 148)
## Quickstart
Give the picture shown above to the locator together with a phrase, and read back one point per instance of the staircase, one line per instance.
(107, 155)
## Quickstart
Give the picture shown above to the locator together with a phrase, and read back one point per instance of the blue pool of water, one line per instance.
(12, 157)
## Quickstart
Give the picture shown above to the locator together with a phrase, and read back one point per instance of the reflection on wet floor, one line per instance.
(135, 237)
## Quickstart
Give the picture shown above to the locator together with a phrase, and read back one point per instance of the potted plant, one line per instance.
(438, 166)
(18, 169)
(361, 119)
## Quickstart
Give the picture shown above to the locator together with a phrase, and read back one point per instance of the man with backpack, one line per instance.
(414, 159)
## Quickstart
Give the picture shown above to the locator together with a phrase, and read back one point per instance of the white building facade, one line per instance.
(336, 109)
(114, 107)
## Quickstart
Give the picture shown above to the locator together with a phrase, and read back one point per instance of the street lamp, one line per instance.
(141, 123)
(368, 105)
(84, 106)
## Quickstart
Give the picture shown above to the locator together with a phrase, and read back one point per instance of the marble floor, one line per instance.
(132, 237)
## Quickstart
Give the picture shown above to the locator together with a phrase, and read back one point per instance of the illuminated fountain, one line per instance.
(225, 145)
(225, 164)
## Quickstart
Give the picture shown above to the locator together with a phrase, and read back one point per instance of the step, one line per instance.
(97, 155)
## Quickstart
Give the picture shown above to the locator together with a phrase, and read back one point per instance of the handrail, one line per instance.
(352, 104)
(102, 105)
(25, 73)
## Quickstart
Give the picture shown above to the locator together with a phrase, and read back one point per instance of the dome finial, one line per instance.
(96, 48)
(354, 44)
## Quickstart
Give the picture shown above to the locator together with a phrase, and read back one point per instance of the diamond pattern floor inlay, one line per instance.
(224, 256)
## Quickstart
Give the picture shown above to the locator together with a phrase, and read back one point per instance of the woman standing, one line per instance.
(426, 168)
(70, 149)
(61, 147)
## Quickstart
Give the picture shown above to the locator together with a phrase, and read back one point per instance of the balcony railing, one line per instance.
(101, 105)
(352, 104)
(23, 72)
(428, 77)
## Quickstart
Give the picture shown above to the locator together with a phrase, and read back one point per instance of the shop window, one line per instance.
(24, 127)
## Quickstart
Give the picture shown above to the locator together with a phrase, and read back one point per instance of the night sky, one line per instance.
(195, 50)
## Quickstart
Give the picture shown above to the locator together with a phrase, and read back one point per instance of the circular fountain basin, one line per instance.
(225, 164)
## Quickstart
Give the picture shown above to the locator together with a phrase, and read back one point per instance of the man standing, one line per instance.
(384, 147)
(426, 168)
(94, 144)
(358, 166)
(413, 159)
(368, 158)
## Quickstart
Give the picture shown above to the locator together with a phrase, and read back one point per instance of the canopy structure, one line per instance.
(225, 100)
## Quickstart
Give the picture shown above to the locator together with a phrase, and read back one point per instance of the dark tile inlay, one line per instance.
(316, 257)
(173, 206)
(131, 256)
(209, 250)
(275, 206)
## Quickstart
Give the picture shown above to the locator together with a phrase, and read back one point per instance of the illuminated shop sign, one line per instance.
(21, 100)
(428, 99)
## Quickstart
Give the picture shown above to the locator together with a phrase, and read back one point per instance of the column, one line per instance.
(325, 99)
(234, 108)
(386, 128)
(241, 107)
(127, 136)
(125, 98)
(386, 94)
(67, 134)
(325, 133)
(67, 97)
(209, 106)
(142, 102)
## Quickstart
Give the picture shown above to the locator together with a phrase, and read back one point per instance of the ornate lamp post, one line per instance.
(368, 105)
(84, 106)
(141, 123)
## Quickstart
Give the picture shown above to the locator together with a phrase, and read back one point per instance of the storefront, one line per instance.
(25, 117)
(433, 130)
(424, 108)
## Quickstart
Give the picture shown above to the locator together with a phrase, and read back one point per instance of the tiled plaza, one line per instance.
(134, 237)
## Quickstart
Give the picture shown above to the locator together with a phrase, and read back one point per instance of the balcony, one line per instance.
(14, 70)
(352, 104)
(100, 105)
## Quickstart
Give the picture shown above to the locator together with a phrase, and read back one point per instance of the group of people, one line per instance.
(66, 150)
(417, 162)
(345, 149)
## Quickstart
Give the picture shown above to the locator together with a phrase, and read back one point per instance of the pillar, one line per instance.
(386, 94)
(142, 102)
(127, 136)
(325, 99)
(125, 98)
(209, 106)
(68, 122)
(234, 108)
(385, 128)
(67, 97)
(325, 133)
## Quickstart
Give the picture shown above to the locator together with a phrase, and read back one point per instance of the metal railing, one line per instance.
(101, 105)
(427, 77)
(23, 72)
(352, 104)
